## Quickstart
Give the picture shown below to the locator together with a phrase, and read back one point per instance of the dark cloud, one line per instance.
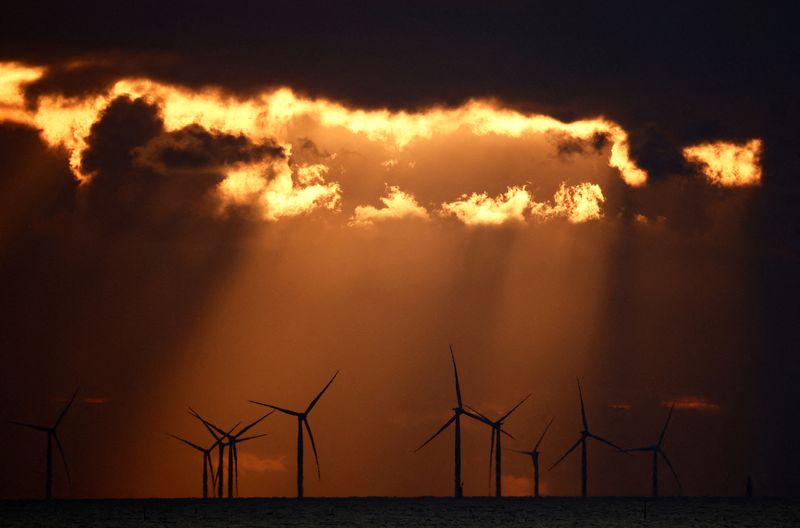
(567, 146)
(194, 148)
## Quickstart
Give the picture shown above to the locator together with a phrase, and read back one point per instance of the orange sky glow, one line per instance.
(366, 241)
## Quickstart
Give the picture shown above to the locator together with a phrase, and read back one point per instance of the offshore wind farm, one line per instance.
(399, 264)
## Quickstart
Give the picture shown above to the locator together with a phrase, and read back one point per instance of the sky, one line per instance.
(204, 205)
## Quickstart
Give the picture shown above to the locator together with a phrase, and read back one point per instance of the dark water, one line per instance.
(385, 512)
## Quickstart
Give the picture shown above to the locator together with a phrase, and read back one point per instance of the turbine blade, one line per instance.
(63, 459)
(213, 474)
(66, 409)
(205, 424)
(30, 426)
(615, 446)
(583, 409)
(674, 473)
(219, 430)
(514, 408)
(666, 424)
(186, 442)
(536, 447)
(246, 438)
(442, 428)
(455, 372)
(476, 411)
(279, 409)
(520, 452)
(570, 450)
(244, 430)
(480, 418)
(313, 445)
(315, 400)
(503, 431)
(638, 449)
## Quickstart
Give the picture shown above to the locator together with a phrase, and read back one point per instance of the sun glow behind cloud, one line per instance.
(396, 204)
(578, 204)
(282, 189)
(728, 164)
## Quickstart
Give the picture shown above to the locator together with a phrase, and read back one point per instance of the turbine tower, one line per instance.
(233, 455)
(206, 461)
(534, 454)
(585, 435)
(495, 445)
(458, 410)
(220, 449)
(656, 450)
(302, 420)
(52, 436)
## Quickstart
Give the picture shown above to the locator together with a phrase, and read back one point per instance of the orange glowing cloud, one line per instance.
(13, 78)
(620, 406)
(66, 121)
(578, 204)
(728, 164)
(396, 205)
(481, 209)
(514, 486)
(693, 403)
(283, 188)
(255, 463)
(279, 190)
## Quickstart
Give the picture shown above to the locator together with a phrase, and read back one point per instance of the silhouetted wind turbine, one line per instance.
(458, 410)
(233, 455)
(656, 450)
(495, 445)
(52, 434)
(302, 419)
(206, 461)
(534, 454)
(585, 434)
(220, 447)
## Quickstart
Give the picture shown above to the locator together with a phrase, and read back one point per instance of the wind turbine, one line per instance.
(495, 445)
(52, 435)
(233, 455)
(220, 448)
(302, 420)
(585, 435)
(656, 450)
(206, 461)
(458, 410)
(534, 454)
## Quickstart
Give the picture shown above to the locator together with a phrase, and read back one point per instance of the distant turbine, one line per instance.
(534, 454)
(495, 445)
(206, 461)
(52, 434)
(220, 448)
(656, 450)
(456, 418)
(302, 419)
(233, 454)
(585, 434)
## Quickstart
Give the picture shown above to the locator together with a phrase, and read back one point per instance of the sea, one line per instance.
(551, 512)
